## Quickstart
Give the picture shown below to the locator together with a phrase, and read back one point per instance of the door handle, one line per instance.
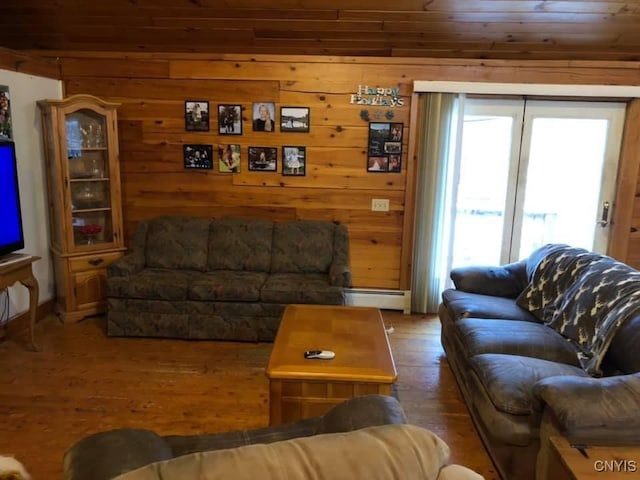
(604, 219)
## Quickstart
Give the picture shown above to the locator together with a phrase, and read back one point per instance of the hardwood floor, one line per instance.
(83, 382)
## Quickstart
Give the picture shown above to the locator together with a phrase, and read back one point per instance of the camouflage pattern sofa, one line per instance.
(223, 279)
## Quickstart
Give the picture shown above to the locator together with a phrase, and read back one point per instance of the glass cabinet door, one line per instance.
(89, 179)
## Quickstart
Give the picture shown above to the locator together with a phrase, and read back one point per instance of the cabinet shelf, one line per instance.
(88, 179)
(90, 210)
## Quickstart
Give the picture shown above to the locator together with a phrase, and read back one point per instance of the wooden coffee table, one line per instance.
(301, 388)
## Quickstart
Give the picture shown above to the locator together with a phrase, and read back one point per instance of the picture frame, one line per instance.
(294, 160)
(5, 114)
(295, 119)
(198, 156)
(385, 147)
(196, 115)
(229, 158)
(263, 159)
(229, 119)
(263, 118)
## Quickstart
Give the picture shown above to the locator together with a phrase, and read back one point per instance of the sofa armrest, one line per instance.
(339, 275)
(361, 412)
(499, 281)
(594, 410)
(353, 414)
(458, 472)
(127, 265)
(134, 260)
(105, 455)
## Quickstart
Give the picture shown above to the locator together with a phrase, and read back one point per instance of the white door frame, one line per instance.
(564, 90)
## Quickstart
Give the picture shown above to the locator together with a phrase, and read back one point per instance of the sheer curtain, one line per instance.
(438, 113)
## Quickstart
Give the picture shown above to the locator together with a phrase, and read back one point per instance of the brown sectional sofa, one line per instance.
(529, 370)
(223, 279)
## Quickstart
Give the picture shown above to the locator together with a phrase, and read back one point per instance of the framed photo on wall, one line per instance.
(264, 117)
(294, 119)
(294, 161)
(198, 156)
(229, 158)
(196, 115)
(5, 114)
(230, 119)
(263, 159)
(385, 147)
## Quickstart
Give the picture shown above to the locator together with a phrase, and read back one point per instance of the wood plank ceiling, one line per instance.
(481, 29)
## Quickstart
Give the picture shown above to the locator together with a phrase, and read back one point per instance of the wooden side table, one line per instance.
(17, 268)
(597, 463)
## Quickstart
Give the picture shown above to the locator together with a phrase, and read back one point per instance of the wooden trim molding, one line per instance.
(29, 64)
(564, 90)
(21, 322)
(628, 170)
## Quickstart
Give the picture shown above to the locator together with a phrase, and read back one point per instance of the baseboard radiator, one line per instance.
(383, 299)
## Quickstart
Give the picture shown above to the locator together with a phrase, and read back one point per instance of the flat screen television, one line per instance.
(11, 234)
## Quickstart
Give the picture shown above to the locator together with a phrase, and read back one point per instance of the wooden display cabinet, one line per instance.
(85, 206)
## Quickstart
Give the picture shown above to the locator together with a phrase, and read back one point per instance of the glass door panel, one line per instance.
(568, 151)
(90, 185)
(540, 174)
(484, 198)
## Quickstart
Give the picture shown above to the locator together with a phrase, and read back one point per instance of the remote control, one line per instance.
(319, 354)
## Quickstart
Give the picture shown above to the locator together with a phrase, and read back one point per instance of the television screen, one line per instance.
(11, 235)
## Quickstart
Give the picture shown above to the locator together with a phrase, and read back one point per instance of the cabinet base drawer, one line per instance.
(93, 261)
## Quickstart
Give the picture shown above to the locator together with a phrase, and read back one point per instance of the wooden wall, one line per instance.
(153, 87)
(28, 64)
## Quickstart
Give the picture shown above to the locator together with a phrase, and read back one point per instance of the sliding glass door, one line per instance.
(531, 173)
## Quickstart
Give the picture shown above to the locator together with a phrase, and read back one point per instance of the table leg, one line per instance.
(32, 285)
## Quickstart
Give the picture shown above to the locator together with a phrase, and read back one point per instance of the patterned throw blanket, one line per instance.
(585, 297)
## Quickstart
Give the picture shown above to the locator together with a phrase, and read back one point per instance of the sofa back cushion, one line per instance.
(240, 244)
(303, 246)
(400, 452)
(177, 243)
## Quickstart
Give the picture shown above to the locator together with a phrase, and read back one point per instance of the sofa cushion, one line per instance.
(463, 304)
(152, 284)
(288, 288)
(177, 242)
(625, 346)
(304, 246)
(402, 452)
(240, 244)
(225, 285)
(515, 337)
(509, 380)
